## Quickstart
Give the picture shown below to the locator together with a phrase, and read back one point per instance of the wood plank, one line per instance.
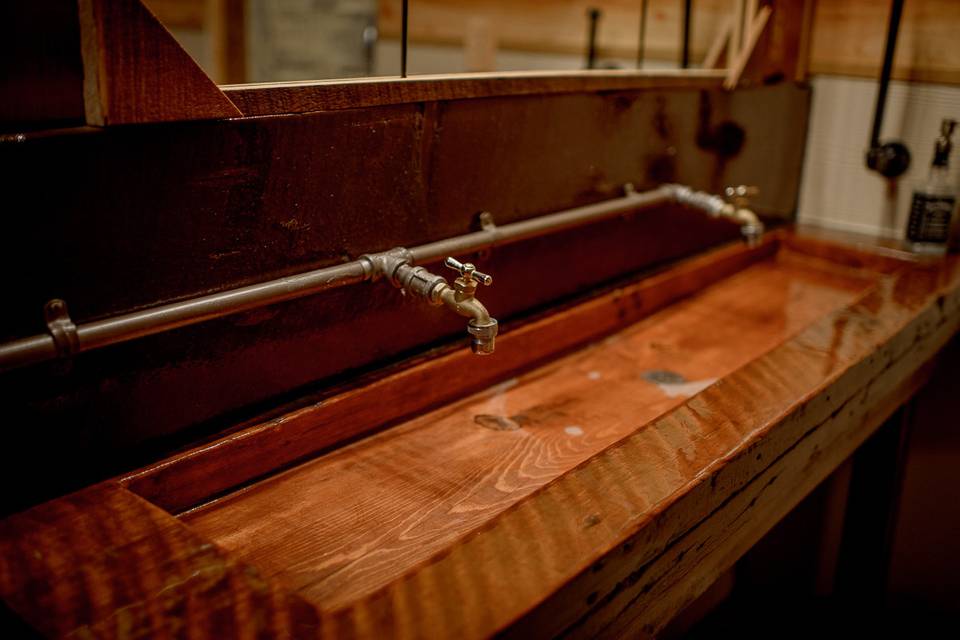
(849, 38)
(226, 32)
(180, 14)
(847, 35)
(612, 516)
(722, 46)
(66, 568)
(754, 31)
(561, 26)
(136, 72)
(326, 95)
(781, 51)
(692, 563)
(360, 518)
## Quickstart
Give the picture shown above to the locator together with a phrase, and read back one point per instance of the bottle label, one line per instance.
(930, 218)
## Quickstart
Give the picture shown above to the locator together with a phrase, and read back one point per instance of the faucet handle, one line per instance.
(740, 195)
(468, 271)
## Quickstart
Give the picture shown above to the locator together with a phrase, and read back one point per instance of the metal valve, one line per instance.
(740, 195)
(468, 271)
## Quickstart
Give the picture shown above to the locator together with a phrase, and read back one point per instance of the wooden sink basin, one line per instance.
(338, 527)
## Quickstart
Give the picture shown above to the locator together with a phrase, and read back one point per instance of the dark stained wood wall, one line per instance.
(127, 217)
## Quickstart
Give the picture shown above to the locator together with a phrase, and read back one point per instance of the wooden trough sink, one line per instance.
(592, 477)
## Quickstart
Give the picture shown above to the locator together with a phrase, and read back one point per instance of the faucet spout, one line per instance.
(460, 299)
(481, 326)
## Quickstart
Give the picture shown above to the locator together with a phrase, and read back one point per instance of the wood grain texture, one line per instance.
(134, 71)
(103, 563)
(226, 203)
(849, 36)
(180, 14)
(327, 95)
(754, 31)
(362, 517)
(604, 530)
(367, 404)
(593, 531)
(560, 26)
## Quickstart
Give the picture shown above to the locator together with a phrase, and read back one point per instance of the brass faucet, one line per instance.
(736, 207)
(459, 298)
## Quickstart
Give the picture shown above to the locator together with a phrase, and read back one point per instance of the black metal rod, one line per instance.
(685, 55)
(593, 15)
(642, 44)
(896, 11)
(403, 39)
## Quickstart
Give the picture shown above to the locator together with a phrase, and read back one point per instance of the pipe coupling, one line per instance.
(419, 281)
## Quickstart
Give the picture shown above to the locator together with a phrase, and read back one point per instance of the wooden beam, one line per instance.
(722, 44)
(135, 71)
(271, 98)
(226, 32)
(754, 31)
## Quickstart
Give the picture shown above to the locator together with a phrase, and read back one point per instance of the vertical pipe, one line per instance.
(685, 57)
(896, 10)
(593, 15)
(403, 39)
(641, 45)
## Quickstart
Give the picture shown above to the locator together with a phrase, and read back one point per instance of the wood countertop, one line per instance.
(590, 481)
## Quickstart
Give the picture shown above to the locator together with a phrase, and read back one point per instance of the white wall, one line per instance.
(837, 190)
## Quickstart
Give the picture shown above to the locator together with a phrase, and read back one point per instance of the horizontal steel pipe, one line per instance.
(551, 223)
(101, 333)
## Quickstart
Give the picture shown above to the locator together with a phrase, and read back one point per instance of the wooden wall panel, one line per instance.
(849, 37)
(561, 26)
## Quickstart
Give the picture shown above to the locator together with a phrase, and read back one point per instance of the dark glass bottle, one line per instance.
(931, 211)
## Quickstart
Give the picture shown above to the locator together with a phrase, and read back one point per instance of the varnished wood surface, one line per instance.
(338, 528)
(271, 98)
(264, 197)
(135, 71)
(104, 563)
(621, 539)
(365, 405)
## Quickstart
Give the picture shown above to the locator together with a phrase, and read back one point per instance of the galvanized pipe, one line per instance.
(551, 223)
(101, 333)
